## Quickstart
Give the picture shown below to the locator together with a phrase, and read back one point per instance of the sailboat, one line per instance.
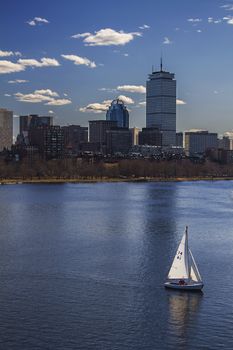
(184, 273)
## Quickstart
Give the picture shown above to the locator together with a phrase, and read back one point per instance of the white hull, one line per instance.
(191, 286)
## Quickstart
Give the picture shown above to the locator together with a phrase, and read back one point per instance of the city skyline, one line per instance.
(74, 70)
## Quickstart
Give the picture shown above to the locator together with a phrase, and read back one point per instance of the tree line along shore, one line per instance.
(74, 170)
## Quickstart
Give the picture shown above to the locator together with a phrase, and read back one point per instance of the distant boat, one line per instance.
(184, 273)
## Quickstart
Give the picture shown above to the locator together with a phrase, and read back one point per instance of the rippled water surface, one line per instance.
(82, 266)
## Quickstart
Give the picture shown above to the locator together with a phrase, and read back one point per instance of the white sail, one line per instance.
(194, 273)
(180, 265)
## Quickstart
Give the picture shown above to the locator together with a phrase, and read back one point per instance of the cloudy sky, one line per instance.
(71, 58)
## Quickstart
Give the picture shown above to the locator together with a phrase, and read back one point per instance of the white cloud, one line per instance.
(127, 100)
(145, 26)
(199, 31)
(180, 102)
(107, 37)
(18, 81)
(6, 53)
(96, 107)
(83, 35)
(9, 53)
(132, 88)
(107, 89)
(51, 112)
(228, 19)
(80, 60)
(228, 7)
(215, 21)
(167, 41)
(37, 20)
(47, 92)
(194, 20)
(59, 102)
(143, 103)
(32, 97)
(126, 54)
(43, 95)
(10, 67)
(7, 95)
(44, 62)
(229, 134)
(103, 106)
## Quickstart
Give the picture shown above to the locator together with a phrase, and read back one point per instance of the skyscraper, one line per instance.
(118, 112)
(161, 104)
(6, 128)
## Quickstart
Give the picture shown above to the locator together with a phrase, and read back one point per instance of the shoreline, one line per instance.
(110, 180)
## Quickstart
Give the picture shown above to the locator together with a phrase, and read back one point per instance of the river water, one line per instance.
(82, 266)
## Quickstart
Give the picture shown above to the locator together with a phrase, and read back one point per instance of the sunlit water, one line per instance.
(82, 266)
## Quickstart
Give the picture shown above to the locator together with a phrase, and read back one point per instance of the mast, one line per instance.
(187, 251)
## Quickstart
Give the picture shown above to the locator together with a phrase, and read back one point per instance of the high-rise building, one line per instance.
(49, 140)
(33, 121)
(150, 136)
(98, 128)
(224, 143)
(119, 140)
(135, 135)
(161, 104)
(119, 113)
(74, 136)
(6, 128)
(179, 139)
(197, 142)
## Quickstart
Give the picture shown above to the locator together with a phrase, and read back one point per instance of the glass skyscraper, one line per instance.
(118, 112)
(161, 105)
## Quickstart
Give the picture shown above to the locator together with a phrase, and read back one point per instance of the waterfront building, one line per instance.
(74, 136)
(119, 140)
(179, 139)
(49, 140)
(119, 113)
(150, 136)
(98, 128)
(135, 135)
(33, 121)
(6, 128)
(161, 104)
(197, 142)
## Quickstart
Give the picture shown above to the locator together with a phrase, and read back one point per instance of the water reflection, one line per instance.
(183, 309)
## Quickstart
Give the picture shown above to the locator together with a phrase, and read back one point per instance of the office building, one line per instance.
(135, 135)
(224, 143)
(119, 113)
(49, 140)
(161, 104)
(98, 128)
(6, 129)
(179, 139)
(150, 136)
(74, 136)
(119, 140)
(33, 121)
(198, 142)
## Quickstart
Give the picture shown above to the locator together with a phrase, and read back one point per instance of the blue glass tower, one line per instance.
(118, 112)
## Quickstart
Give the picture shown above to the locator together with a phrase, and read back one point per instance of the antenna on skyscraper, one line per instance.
(161, 63)
(152, 68)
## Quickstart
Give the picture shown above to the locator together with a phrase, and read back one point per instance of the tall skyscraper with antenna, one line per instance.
(161, 104)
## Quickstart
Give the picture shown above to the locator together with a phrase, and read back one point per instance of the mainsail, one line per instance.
(180, 265)
(194, 273)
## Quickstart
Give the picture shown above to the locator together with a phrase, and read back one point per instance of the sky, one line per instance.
(70, 58)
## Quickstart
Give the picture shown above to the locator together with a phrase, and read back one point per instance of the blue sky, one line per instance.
(43, 69)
